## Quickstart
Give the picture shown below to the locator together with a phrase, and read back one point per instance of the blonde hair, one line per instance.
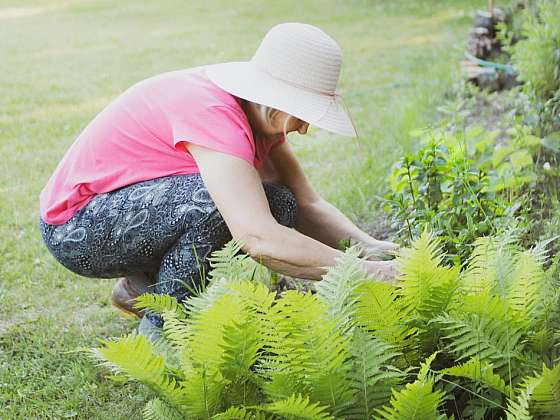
(268, 113)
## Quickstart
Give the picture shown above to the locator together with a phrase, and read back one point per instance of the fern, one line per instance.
(241, 413)
(525, 294)
(204, 389)
(519, 409)
(426, 287)
(417, 401)
(160, 303)
(133, 356)
(471, 336)
(308, 352)
(546, 395)
(158, 410)
(242, 348)
(371, 374)
(230, 263)
(339, 288)
(480, 372)
(491, 265)
(538, 395)
(379, 311)
(298, 407)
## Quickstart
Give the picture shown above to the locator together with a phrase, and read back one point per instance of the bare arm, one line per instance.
(317, 218)
(236, 188)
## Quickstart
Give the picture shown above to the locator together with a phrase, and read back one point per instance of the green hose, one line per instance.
(508, 68)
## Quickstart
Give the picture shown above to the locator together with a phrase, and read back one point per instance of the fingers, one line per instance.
(385, 271)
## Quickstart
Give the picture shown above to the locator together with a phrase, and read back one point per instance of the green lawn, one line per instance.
(61, 62)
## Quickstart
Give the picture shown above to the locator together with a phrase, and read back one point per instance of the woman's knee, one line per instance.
(282, 203)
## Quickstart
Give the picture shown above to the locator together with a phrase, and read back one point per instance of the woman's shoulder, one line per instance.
(188, 86)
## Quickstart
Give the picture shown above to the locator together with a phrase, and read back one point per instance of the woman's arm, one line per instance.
(317, 218)
(236, 188)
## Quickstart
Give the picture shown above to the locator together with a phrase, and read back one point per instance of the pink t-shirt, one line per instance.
(141, 136)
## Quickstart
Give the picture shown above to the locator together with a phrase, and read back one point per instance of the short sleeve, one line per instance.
(219, 128)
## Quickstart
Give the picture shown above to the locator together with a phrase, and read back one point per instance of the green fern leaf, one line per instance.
(545, 401)
(426, 288)
(176, 330)
(518, 409)
(491, 266)
(372, 375)
(160, 304)
(204, 389)
(494, 340)
(133, 355)
(298, 407)
(379, 311)
(525, 294)
(479, 372)
(339, 287)
(416, 401)
(307, 352)
(158, 410)
(425, 367)
(242, 348)
(231, 264)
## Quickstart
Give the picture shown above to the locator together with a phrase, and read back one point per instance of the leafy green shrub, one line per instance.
(537, 60)
(469, 344)
(462, 186)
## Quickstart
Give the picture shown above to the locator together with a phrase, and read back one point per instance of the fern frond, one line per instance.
(494, 340)
(480, 372)
(133, 355)
(176, 331)
(160, 304)
(416, 401)
(242, 413)
(298, 407)
(491, 265)
(242, 347)
(307, 352)
(525, 294)
(426, 287)
(545, 401)
(372, 376)
(519, 409)
(339, 287)
(204, 389)
(231, 264)
(379, 311)
(158, 410)
(424, 371)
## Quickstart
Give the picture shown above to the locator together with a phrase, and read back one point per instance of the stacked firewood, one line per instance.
(483, 47)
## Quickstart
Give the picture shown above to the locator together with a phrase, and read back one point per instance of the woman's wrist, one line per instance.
(384, 271)
(373, 249)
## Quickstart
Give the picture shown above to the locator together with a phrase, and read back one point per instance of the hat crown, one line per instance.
(301, 55)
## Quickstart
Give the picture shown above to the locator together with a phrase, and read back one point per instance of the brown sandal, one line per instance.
(124, 296)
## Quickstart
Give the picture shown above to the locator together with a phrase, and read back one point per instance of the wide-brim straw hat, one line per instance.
(295, 70)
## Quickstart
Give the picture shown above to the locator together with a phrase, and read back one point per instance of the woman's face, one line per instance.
(275, 125)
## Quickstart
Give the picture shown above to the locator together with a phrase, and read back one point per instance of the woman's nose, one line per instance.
(303, 128)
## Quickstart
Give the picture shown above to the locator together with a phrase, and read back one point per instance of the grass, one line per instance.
(62, 62)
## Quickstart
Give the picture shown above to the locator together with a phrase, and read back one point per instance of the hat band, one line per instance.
(295, 84)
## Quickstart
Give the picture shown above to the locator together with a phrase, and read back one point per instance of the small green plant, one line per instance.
(477, 344)
(462, 186)
(537, 59)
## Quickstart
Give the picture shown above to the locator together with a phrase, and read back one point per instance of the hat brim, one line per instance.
(245, 81)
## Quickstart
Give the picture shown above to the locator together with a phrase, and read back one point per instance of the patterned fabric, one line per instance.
(160, 230)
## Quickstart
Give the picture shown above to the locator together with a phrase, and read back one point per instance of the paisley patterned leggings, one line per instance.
(159, 231)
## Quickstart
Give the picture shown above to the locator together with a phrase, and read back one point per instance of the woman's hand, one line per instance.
(377, 250)
(385, 271)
